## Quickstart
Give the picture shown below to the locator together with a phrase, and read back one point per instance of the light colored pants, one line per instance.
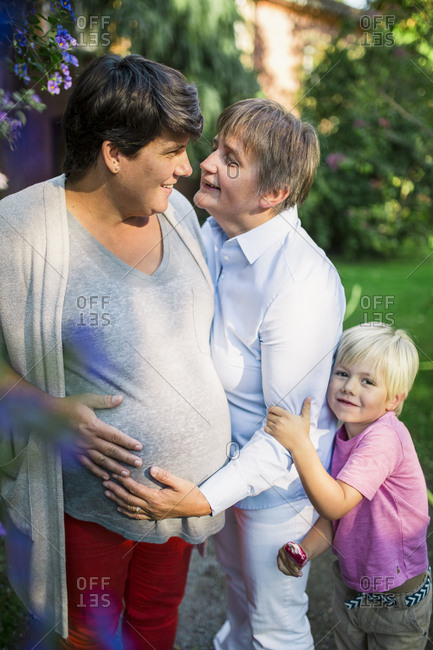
(265, 608)
(375, 626)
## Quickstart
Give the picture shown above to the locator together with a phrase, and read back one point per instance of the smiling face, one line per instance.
(229, 188)
(358, 395)
(143, 183)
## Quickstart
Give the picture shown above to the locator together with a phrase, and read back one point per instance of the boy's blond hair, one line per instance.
(392, 352)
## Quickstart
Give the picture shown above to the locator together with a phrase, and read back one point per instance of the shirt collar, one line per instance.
(257, 240)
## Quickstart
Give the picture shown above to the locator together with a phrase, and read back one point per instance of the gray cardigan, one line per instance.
(34, 258)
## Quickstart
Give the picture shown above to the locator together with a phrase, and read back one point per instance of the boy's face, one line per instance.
(357, 394)
(229, 188)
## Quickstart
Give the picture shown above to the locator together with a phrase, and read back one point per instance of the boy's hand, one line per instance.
(287, 565)
(287, 428)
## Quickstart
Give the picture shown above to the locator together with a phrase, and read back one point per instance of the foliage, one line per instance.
(12, 113)
(194, 36)
(398, 293)
(371, 99)
(37, 50)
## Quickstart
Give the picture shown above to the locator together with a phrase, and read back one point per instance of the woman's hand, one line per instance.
(180, 498)
(97, 445)
(287, 428)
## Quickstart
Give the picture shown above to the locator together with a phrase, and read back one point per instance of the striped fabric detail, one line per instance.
(389, 600)
(415, 598)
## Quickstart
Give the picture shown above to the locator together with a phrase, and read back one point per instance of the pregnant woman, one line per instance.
(106, 301)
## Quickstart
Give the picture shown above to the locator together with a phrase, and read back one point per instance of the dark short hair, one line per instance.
(129, 101)
(287, 149)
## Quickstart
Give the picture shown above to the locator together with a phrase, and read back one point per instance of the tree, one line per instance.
(371, 99)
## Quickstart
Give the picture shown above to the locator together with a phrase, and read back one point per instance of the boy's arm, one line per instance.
(331, 498)
(316, 542)
(296, 359)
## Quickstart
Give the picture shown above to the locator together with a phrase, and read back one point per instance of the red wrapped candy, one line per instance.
(296, 553)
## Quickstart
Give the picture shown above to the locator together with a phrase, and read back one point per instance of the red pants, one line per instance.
(107, 574)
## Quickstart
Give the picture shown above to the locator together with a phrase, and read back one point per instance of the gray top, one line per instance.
(144, 337)
(34, 251)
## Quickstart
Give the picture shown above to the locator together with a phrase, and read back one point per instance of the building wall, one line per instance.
(289, 41)
(39, 150)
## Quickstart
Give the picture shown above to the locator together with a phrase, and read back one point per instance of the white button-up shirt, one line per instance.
(279, 307)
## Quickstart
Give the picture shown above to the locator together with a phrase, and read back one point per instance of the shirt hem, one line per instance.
(155, 539)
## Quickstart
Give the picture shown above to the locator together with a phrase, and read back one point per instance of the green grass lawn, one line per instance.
(400, 293)
(395, 292)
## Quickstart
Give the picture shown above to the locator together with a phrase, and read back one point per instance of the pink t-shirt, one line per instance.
(381, 543)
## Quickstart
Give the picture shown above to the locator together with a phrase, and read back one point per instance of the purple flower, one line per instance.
(382, 121)
(70, 58)
(63, 34)
(36, 99)
(65, 69)
(21, 38)
(62, 42)
(20, 69)
(15, 127)
(67, 5)
(67, 83)
(334, 160)
(2, 116)
(52, 87)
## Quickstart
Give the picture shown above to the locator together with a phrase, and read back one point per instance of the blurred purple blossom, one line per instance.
(62, 42)
(53, 87)
(383, 122)
(65, 36)
(70, 58)
(333, 160)
(67, 5)
(21, 38)
(20, 69)
(15, 126)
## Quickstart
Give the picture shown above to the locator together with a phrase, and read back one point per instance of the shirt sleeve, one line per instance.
(298, 336)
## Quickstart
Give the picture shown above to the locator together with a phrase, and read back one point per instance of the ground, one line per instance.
(202, 611)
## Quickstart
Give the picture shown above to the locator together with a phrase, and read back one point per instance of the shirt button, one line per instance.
(226, 258)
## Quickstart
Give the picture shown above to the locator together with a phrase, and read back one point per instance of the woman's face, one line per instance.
(144, 183)
(229, 188)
